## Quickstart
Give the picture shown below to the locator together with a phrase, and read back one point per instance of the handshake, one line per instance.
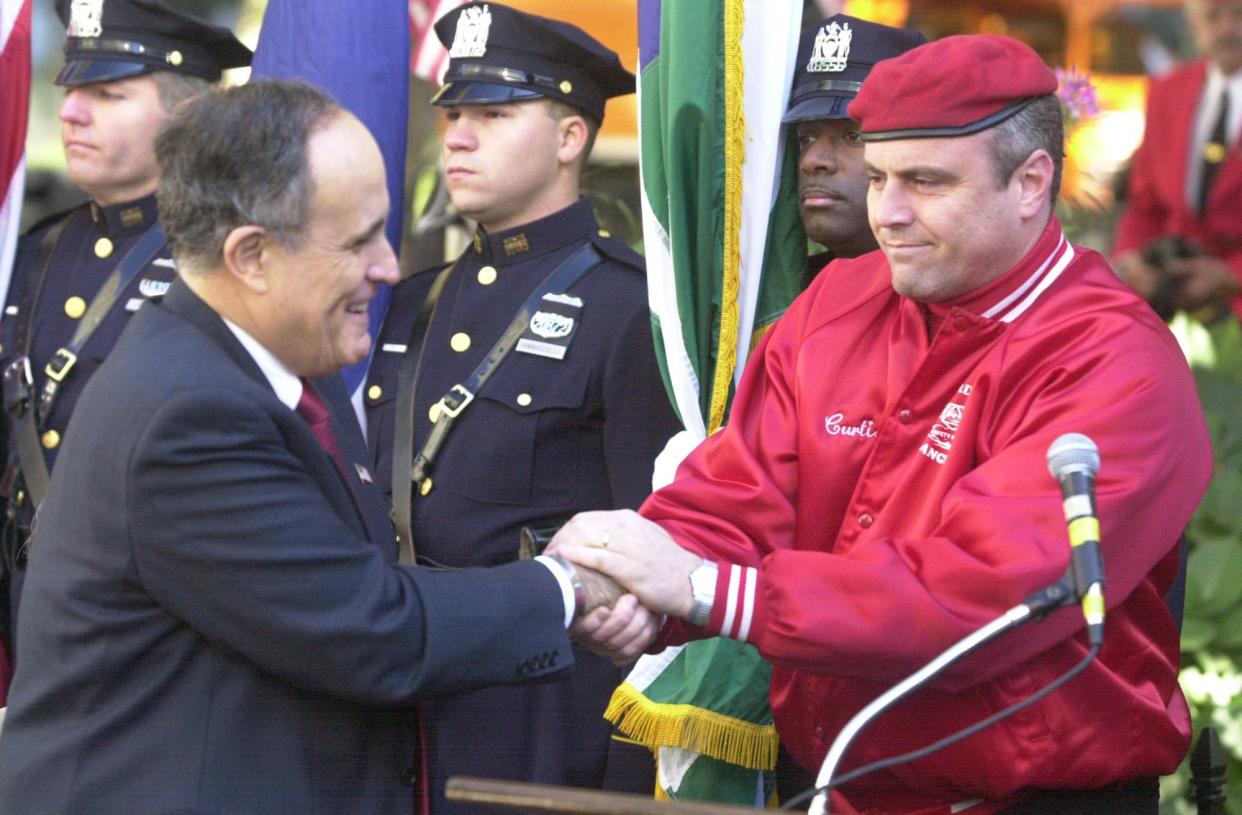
(631, 572)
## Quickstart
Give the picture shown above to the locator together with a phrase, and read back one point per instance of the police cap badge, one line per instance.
(834, 58)
(498, 54)
(114, 39)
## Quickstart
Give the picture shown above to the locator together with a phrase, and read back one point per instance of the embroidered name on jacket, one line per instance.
(939, 441)
(835, 425)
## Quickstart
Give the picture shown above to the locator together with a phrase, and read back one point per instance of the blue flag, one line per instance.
(360, 53)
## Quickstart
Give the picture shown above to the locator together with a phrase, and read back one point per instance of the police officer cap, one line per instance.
(498, 54)
(834, 58)
(114, 39)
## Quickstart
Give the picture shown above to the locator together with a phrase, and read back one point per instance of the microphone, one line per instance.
(1074, 460)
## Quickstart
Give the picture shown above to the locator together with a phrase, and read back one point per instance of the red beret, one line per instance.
(951, 87)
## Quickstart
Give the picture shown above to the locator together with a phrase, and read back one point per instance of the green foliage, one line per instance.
(1211, 673)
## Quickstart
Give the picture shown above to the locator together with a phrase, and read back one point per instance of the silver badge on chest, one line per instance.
(832, 49)
(551, 326)
(470, 39)
(153, 288)
(85, 18)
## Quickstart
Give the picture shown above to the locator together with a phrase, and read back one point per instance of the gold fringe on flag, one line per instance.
(721, 737)
(735, 148)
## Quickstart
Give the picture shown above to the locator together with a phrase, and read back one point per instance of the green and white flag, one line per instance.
(725, 255)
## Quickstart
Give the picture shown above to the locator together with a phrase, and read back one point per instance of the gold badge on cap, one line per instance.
(832, 49)
(470, 39)
(85, 18)
(175, 58)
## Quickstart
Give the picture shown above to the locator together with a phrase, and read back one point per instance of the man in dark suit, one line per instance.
(213, 621)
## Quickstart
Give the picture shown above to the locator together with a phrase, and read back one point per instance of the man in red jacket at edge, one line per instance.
(881, 489)
(1186, 180)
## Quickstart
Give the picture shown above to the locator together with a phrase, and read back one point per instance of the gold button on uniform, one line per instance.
(51, 439)
(434, 413)
(460, 342)
(524, 399)
(374, 392)
(75, 307)
(604, 233)
(103, 248)
(425, 487)
(487, 275)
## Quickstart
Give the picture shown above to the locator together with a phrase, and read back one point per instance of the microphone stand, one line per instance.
(1039, 604)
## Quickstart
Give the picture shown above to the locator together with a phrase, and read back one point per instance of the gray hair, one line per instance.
(1038, 126)
(237, 156)
(175, 88)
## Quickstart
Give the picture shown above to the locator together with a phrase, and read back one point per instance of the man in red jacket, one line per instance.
(1186, 180)
(881, 491)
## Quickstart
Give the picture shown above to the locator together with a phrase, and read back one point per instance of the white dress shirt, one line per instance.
(1205, 120)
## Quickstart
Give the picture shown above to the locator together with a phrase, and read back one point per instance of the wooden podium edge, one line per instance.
(573, 800)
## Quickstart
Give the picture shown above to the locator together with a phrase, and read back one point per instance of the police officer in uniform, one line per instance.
(574, 414)
(834, 58)
(79, 275)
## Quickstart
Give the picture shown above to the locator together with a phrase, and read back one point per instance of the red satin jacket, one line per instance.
(881, 491)
(1157, 194)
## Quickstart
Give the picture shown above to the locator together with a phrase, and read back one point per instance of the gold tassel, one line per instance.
(746, 744)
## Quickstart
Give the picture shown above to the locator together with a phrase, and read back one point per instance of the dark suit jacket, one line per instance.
(212, 620)
(1157, 193)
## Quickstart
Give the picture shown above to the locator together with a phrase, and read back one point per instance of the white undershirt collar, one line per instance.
(287, 385)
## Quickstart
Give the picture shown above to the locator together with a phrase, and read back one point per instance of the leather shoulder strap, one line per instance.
(403, 430)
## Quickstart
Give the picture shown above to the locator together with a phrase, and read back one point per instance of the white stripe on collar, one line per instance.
(1035, 285)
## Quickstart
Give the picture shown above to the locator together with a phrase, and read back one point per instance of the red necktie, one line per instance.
(315, 412)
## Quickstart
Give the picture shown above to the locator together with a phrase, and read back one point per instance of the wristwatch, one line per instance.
(703, 593)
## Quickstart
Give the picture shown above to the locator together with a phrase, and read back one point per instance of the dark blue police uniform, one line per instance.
(93, 240)
(544, 438)
(63, 261)
(566, 423)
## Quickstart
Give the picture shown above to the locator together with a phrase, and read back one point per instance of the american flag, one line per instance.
(15, 102)
(428, 58)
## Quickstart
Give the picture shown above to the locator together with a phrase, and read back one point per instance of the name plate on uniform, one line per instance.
(551, 327)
